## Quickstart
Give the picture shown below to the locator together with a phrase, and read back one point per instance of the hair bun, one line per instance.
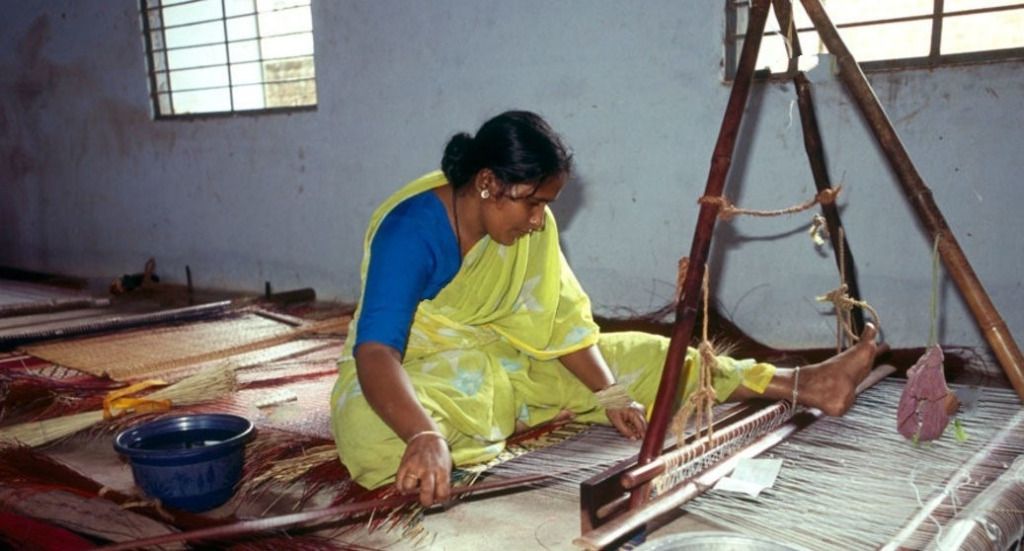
(458, 162)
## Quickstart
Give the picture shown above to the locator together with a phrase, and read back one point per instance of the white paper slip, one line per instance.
(751, 476)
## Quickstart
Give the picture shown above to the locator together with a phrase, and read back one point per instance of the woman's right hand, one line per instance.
(426, 468)
(630, 420)
(426, 464)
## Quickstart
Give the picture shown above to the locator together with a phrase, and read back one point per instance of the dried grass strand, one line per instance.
(204, 386)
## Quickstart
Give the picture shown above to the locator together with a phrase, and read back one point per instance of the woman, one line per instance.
(471, 325)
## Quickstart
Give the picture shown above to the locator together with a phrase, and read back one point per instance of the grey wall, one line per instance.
(92, 186)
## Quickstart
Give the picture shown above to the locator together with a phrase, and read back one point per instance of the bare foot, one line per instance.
(831, 385)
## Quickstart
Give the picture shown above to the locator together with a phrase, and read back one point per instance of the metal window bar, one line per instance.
(148, 37)
(872, 22)
(225, 18)
(261, 83)
(227, 53)
(934, 58)
(259, 52)
(215, 65)
(934, 51)
(257, 40)
(159, 6)
(151, 8)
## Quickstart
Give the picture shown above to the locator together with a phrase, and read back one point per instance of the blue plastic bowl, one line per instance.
(189, 462)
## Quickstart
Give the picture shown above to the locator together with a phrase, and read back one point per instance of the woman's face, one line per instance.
(518, 210)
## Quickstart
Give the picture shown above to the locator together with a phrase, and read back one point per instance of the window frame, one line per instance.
(145, 8)
(734, 42)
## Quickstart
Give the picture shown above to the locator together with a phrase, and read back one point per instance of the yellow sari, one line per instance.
(484, 352)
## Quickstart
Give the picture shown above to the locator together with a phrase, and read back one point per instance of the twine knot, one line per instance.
(727, 211)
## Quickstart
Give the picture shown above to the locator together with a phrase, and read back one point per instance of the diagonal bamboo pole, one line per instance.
(686, 309)
(985, 313)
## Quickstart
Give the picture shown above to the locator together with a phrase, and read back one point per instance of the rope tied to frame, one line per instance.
(727, 211)
(700, 403)
(844, 303)
(684, 264)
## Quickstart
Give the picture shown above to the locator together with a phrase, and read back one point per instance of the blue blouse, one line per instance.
(414, 254)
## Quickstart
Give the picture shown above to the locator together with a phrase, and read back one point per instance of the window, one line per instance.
(229, 56)
(885, 34)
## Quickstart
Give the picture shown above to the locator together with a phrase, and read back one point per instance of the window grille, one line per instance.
(888, 34)
(229, 56)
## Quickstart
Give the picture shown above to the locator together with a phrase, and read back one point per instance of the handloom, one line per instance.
(683, 473)
(853, 482)
(17, 296)
(131, 355)
(99, 320)
(988, 318)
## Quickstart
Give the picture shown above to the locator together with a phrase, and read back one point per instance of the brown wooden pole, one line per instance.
(920, 196)
(308, 518)
(816, 157)
(686, 309)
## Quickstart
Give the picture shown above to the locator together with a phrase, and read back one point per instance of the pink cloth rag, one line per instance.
(922, 411)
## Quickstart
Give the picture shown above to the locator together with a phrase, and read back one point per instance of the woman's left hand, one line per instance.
(630, 421)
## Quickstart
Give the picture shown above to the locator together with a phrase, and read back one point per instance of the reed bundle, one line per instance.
(204, 386)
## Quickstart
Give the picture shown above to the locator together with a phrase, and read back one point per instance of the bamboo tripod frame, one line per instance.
(920, 197)
(985, 313)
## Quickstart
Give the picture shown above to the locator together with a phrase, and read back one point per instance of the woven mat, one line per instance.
(147, 352)
(23, 292)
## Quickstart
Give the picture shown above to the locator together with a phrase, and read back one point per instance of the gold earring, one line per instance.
(484, 194)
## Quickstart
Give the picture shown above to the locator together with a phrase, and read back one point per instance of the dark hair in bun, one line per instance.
(518, 146)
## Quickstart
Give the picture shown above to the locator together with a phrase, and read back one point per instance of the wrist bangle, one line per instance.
(425, 433)
(613, 396)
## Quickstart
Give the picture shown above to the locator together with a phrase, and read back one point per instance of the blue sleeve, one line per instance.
(401, 264)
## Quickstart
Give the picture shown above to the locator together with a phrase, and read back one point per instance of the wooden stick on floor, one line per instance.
(306, 518)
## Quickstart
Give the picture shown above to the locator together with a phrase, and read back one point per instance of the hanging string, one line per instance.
(843, 316)
(933, 337)
(727, 211)
(684, 264)
(702, 400)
